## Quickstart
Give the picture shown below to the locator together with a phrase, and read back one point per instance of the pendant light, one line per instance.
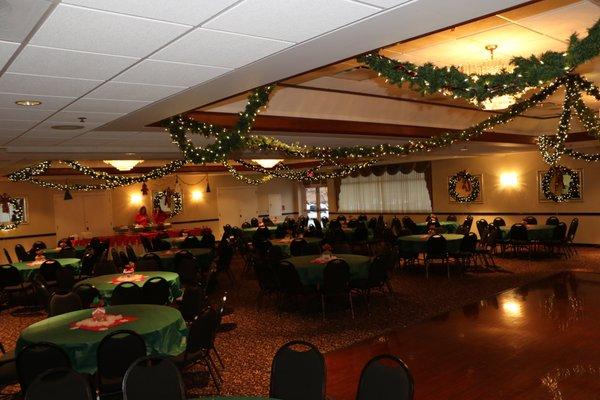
(68, 195)
(207, 185)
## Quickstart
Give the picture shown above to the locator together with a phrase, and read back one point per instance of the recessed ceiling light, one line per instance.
(67, 127)
(28, 103)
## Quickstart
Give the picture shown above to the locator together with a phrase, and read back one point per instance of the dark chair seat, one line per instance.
(18, 288)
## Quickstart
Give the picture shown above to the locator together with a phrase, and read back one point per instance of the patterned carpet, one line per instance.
(247, 350)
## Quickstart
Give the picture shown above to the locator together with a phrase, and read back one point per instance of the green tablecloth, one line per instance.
(233, 398)
(167, 257)
(418, 243)
(53, 253)
(534, 232)
(312, 273)
(284, 244)
(27, 270)
(162, 328)
(177, 241)
(105, 287)
(248, 232)
(450, 226)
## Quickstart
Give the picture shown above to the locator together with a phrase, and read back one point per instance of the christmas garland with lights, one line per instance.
(574, 191)
(177, 205)
(464, 176)
(18, 212)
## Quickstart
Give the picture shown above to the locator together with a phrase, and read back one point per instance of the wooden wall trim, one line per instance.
(194, 221)
(27, 236)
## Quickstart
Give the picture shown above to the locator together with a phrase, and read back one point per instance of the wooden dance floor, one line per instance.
(540, 341)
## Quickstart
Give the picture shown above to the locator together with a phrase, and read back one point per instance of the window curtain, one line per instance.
(399, 193)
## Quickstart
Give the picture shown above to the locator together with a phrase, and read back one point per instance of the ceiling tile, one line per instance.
(290, 20)
(169, 73)
(384, 3)
(91, 117)
(108, 106)
(6, 51)
(77, 28)
(47, 125)
(24, 114)
(190, 12)
(221, 49)
(18, 17)
(45, 85)
(51, 134)
(35, 141)
(133, 91)
(68, 63)
(7, 100)
(8, 134)
(15, 124)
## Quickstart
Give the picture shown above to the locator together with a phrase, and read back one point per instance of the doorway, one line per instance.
(317, 202)
(86, 215)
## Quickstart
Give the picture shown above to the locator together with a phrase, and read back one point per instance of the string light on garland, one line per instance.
(472, 181)
(574, 190)
(18, 212)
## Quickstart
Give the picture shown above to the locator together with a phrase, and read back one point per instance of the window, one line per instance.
(317, 203)
(386, 193)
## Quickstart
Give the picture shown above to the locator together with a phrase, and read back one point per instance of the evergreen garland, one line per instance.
(475, 187)
(574, 186)
(17, 216)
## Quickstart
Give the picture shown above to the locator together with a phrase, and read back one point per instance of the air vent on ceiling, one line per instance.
(359, 73)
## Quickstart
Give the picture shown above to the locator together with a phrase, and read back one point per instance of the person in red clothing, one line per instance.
(160, 216)
(142, 217)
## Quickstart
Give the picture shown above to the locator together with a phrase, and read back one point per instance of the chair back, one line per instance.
(38, 245)
(116, 259)
(202, 331)
(130, 253)
(385, 377)
(37, 358)
(265, 275)
(87, 264)
(115, 353)
(498, 222)
(22, 254)
(187, 269)
(451, 217)
(87, 293)
(7, 256)
(9, 276)
(126, 293)
(146, 243)
(298, 372)
(104, 267)
(552, 221)
(149, 262)
(158, 244)
(481, 225)
(123, 257)
(336, 277)
(560, 232)
(530, 220)
(468, 244)
(254, 222)
(153, 377)
(156, 291)
(65, 278)
(297, 246)
(59, 384)
(192, 302)
(409, 224)
(437, 246)
(64, 303)
(572, 229)
(288, 278)
(518, 232)
(467, 223)
(66, 252)
(378, 269)
(49, 269)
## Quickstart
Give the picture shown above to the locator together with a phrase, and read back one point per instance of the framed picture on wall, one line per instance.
(6, 217)
(464, 189)
(559, 185)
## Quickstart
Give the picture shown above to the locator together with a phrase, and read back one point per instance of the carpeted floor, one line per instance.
(248, 348)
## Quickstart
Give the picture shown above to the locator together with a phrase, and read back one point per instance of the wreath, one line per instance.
(470, 184)
(18, 212)
(173, 199)
(574, 185)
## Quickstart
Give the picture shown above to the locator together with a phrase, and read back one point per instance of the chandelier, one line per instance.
(123, 165)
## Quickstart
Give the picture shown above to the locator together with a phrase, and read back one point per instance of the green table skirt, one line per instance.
(167, 257)
(312, 244)
(162, 328)
(176, 241)
(27, 270)
(450, 226)
(312, 273)
(53, 253)
(534, 232)
(418, 243)
(105, 287)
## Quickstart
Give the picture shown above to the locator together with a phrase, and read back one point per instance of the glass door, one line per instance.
(317, 202)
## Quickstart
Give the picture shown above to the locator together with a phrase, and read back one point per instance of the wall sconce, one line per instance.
(197, 195)
(509, 180)
(136, 199)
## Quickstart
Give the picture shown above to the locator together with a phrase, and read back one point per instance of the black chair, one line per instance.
(37, 358)
(130, 253)
(59, 384)
(437, 249)
(297, 246)
(11, 282)
(190, 242)
(48, 271)
(290, 285)
(65, 279)
(336, 282)
(192, 303)
(38, 245)
(159, 245)
(156, 291)
(8, 369)
(87, 293)
(7, 256)
(153, 377)
(467, 223)
(126, 293)
(498, 222)
(187, 269)
(552, 221)
(409, 224)
(481, 225)
(87, 265)
(64, 303)
(104, 267)
(519, 239)
(208, 241)
(378, 278)
(530, 220)
(571, 235)
(147, 244)
(223, 262)
(149, 262)
(254, 222)
(468, 250)
(115, 353)
(298, 372)
(201, 337)
(451, 217)
(116, 259)
(559, 239)
(67, 252)
(123, 258)
(22, 254)
(385, 377)
(267, 280)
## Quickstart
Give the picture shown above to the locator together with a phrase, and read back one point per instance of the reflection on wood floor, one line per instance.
(540, 341)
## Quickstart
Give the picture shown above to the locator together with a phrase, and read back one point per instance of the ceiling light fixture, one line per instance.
(28, 103)
(67, 127)
(267, 162)
(123, 165)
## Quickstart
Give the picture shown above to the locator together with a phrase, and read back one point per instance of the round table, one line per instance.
(105, 286)
(418, 243)
(177, 241)
(167, 257)
(162, 328)
(312, 273)
(53, 253)
(248, 232)
(284, 244)
(27, 269)
(451, 226)
(539, 233)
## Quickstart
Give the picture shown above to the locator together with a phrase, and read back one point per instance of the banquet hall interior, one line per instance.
(299, 199)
